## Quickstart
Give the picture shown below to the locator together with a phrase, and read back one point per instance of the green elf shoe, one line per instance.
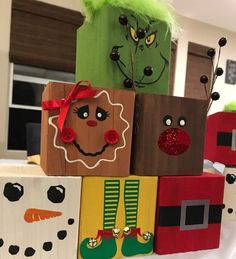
(132, 246)
(91, 248)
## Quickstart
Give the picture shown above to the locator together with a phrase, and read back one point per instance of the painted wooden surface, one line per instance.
(93, 60)
(220, 140)
(39, 214)
(189, 210)
(89, 154)
(110, 204)
(168, 135)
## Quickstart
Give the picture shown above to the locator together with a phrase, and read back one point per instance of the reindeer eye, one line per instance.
(167, 120)
(13, 191)
(56, 194)
(182, 121)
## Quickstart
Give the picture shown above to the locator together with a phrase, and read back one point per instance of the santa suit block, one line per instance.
(189, 210)
(220, 141)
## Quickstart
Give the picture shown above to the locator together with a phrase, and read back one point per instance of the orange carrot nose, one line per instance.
(32, 215)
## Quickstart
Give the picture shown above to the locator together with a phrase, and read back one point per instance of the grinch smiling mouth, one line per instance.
(147, 71)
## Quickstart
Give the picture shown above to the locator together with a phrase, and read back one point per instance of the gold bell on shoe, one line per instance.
(127, 231)
(147, 236)
(115, 232)
(92, 242)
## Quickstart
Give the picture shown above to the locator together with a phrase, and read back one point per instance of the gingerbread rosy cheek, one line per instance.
(67, 135)
(112, 137)
(174, 141)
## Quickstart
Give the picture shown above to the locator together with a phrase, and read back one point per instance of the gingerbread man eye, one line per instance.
(82, 112)
(13, 191)
(56, 194)
(182, 121)
(167, 120)
(101, 114)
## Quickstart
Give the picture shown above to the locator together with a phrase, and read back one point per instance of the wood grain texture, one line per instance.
(147, 157)
(67, 159)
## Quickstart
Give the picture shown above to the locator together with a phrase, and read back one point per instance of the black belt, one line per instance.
(224, 139)
(171, 215)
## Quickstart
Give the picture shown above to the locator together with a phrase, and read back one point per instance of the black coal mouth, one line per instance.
(47, 246)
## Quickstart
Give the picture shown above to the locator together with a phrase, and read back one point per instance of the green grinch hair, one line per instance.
(230, 107)
(154, 9)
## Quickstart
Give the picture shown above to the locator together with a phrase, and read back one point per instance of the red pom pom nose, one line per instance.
(174, 141)
(112, 137)
(67, 135)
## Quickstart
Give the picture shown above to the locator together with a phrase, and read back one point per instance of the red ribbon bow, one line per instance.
(78, 92)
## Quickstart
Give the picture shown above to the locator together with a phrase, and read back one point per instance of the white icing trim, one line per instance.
(101, 160)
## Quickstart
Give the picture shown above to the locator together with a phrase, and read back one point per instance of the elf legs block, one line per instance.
(39, 214)
(112, 55)
(96, 136)
(189, 213)
(168, 135)
(220, 141)
(117, 217)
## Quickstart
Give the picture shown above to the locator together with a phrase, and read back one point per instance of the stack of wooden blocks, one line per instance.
(137, 151)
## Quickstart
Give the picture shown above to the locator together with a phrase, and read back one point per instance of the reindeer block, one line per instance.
(125, 44)
(189, 218)
(117, 216)
(220, 140)
(86, 131)
(39, 214)
(168, 135)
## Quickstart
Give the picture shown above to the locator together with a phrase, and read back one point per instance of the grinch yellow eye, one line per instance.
(133, 34)
(150, 39)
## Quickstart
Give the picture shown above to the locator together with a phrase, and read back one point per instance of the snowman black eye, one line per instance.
(167, 120)
(13, 191)
(182, 121)
(82, 112)
(56, 194)
(101, 114)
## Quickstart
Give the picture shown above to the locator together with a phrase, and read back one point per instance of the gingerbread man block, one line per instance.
(86, 131)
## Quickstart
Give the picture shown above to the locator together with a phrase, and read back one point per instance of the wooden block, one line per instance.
(168, 135)
(39, 214)
(229, 194)
(189, 212)
(90, 119)
(117, 216)
(220, 140)
(103, 38)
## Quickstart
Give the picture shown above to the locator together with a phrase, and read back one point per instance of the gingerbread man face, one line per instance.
(96, 132)
(94, 127)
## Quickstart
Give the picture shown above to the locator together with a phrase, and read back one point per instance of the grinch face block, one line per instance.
(168, 135)
(96, 135)
(39, 214)
(130, 50)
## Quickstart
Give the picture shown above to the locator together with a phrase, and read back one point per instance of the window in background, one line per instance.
(27, 84)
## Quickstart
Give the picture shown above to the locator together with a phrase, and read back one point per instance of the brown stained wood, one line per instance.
(72, 161)
(147, 157)
(44, 35)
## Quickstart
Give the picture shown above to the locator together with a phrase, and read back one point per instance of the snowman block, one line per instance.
(189, 210)
(220, 140)
(168, 135)
(86, 131)
(229, 207)
(117, 216)
(120, 47)
(39, 214)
